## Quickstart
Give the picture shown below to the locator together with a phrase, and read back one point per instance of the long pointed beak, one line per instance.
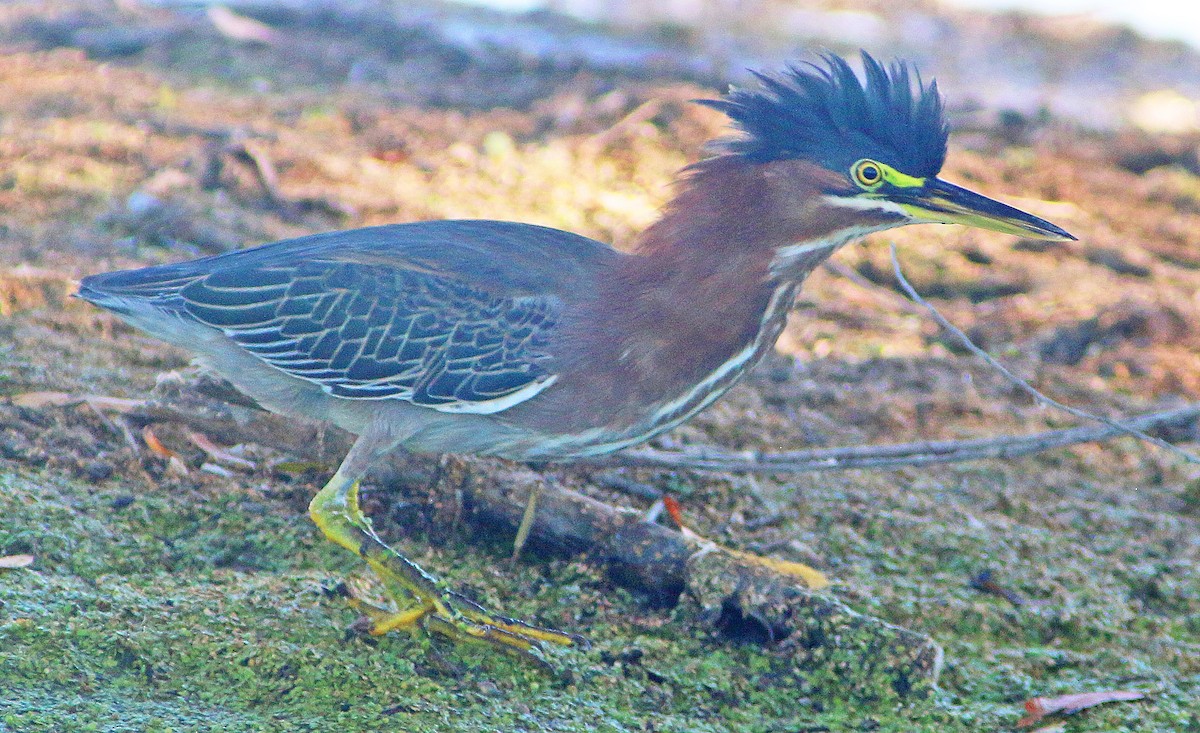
(944, 203)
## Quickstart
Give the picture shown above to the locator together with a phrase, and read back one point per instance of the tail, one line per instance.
(148, 299)
(92, 289)
(128, 291)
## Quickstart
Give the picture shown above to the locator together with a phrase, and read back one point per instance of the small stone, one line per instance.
(97, 471)
(632, 655)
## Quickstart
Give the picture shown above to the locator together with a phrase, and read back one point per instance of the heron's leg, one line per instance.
(336, 511)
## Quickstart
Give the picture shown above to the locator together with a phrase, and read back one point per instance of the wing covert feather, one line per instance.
(365, 331)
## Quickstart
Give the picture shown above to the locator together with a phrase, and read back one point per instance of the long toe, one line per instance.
(477, 614)
(423, 601)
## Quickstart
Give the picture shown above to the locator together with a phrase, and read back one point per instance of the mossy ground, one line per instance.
(179, 611)
(204, 603)
(133, 619)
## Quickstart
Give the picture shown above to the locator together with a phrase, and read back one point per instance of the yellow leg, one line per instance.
(383, 621)
(336, 511)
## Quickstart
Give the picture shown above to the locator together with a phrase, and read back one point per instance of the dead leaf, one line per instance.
(1040, 707)
(175, 464)
(9, 562)
(986, 582)
(37, 400)
(218, 453)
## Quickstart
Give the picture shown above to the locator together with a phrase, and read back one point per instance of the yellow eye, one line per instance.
(867, 173)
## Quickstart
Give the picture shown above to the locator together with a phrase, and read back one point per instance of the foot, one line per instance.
(335, 510)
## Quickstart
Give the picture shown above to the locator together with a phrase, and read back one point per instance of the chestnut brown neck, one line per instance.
(706, 261)
(720, 216)
(696, 290)
(711, 253)
(697, 303)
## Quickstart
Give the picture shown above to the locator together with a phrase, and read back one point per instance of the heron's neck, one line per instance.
(698, 296)
(720, 218)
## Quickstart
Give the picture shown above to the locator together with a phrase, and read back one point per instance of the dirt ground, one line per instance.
(171, 598)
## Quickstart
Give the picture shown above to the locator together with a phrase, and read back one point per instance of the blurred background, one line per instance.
(1092, 61)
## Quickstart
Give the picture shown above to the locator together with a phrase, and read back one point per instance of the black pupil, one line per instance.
(868, 173)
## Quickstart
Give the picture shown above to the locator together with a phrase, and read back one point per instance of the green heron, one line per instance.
(529, 343)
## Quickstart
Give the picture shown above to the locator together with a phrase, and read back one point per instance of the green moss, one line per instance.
(181, 612)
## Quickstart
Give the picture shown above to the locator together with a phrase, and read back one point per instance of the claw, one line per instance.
(478, 614)
(446, 613)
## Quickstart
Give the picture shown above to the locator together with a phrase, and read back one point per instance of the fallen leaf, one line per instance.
(218, 453)
(38, 400)
(175, 464)
(1040, 707)
(987, 583)
(9, 562)
(154, 444)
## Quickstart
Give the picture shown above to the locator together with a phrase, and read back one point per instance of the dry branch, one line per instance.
(739, 599)
(921, 453)
(214, 407)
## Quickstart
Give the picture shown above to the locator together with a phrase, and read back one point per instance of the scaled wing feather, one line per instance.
(366, 331)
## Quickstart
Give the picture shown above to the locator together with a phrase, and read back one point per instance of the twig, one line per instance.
(218, 453)
(881, 292)
(642, 113)
(891, 456)
(240, 424)
(1021, 383)
(526, 524)
(617, 482)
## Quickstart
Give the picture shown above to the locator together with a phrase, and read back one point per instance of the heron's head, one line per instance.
(862, 153)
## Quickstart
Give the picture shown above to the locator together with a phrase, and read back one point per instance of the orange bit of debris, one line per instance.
(175, 464)
(674, 509)
(155, 445)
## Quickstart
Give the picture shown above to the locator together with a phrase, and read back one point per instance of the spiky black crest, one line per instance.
(827, 115)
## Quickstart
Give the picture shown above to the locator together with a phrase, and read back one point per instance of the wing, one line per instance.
(374, 331)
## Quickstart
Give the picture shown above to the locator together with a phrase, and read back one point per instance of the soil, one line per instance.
(167, 594)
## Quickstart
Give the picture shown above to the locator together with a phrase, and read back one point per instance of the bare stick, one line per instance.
(526, 522)
(1021, 383)
(891, 456)
(241, 424)
(880, 292)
